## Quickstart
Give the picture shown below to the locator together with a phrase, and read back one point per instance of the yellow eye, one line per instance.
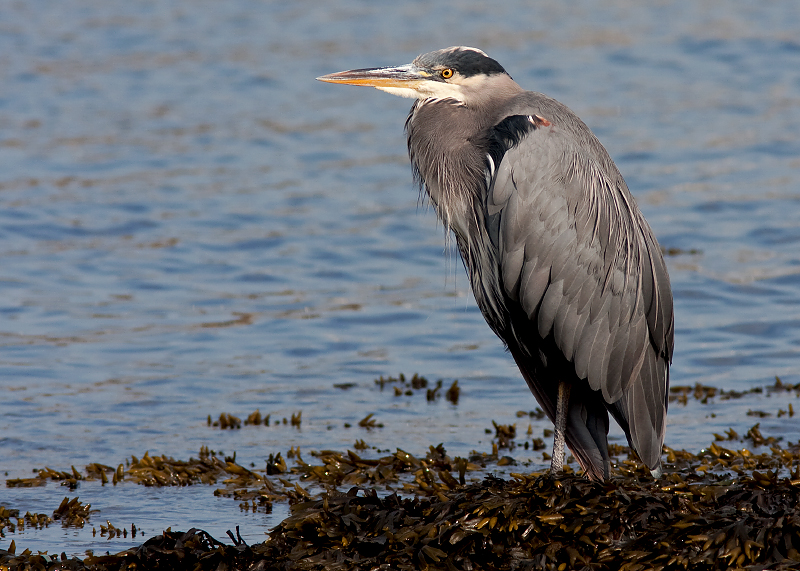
(447, 73)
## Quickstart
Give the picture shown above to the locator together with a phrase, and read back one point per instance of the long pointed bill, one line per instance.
(405, 77)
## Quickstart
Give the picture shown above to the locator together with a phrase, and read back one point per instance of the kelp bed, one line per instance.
(722, 508)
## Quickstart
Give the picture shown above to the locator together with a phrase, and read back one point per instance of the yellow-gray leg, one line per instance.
(557, 461)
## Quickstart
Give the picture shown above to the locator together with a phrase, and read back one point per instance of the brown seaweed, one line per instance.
(686, 520)
(732, 505)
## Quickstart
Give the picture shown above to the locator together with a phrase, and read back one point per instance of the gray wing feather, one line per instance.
(571, 338)
(535, 278)
(548, 308)
(583, 349)
(512, 272)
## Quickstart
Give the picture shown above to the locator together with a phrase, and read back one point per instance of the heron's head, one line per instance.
(465, 74)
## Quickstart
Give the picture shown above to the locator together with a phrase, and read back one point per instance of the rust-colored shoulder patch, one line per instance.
(539, 121)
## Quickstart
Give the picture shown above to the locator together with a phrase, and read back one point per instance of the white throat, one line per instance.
(429, 90)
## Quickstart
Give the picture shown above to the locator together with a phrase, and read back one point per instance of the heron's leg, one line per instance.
(557, 461)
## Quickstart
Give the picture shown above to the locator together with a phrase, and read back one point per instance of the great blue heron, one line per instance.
(564, 267)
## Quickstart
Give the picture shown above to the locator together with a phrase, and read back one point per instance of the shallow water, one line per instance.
(191, 224)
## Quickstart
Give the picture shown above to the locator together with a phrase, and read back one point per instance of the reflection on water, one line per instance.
(192, 225)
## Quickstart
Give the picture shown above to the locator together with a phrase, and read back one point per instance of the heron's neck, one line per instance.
(445, 147)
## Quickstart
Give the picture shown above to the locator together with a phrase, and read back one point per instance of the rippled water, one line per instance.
(191, 224)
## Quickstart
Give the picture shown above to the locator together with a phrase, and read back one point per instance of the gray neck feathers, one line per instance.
(448, 147)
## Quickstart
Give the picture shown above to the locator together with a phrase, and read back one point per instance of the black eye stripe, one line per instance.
(467, 61)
